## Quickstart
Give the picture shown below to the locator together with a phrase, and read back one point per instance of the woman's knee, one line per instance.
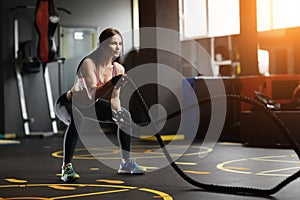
(62, 111)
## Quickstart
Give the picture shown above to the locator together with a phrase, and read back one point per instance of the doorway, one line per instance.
(75, 43)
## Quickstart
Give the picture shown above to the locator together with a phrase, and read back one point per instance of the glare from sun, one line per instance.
(277, 14)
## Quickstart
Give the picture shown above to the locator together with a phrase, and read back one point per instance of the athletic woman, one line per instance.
(97, 86)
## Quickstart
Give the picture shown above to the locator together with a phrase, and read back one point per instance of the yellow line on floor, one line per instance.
(13, 180)
(196, 172)
(222, 166)
(7, 142)
(185, 163)
(90, 194)
(273, 159)
(163, 137)
(162, 195)
(111, 181)
(61, 187)
(269, 172)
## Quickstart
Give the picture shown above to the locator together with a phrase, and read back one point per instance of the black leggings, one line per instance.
(63, 110)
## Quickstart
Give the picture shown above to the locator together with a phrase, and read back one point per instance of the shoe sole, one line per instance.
(128, 172)
(69, 179)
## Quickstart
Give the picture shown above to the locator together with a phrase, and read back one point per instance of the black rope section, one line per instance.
(223, 188)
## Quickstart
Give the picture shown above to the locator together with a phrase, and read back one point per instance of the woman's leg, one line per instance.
(70, 142)
(124, 135)
(124, 132)
(63, 110)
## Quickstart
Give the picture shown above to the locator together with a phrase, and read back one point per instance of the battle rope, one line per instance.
(222, 188)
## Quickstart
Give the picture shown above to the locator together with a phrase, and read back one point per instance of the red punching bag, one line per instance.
(46, 22)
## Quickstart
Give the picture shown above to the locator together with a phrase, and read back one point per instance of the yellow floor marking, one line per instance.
(71, 185)
(90, 194)
(238, 168)
(272, 159)
(186, 163)
(94, 168)
(120, 188)
(163, 137)
(230, 143)
(162, 195)
(9, 186)
(202, 150)
(9, 142)
(111, 181)
(29, 198)
(148, 151)
(13, 180)
(196, 172)
(278, 159)
(147, 167)
(269, 172)
(59, 187)
(109, 149)
(222, 166)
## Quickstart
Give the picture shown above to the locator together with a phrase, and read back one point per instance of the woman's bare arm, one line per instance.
(115, 97)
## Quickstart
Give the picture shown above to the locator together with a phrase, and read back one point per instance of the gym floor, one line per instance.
(30, 170)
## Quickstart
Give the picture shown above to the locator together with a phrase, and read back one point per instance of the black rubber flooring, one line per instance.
(30, 170)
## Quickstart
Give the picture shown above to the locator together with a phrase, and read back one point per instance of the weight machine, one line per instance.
(46, 54)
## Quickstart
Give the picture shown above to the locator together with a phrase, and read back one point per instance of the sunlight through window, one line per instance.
(209, 18)
(286, 13)
(277, 14)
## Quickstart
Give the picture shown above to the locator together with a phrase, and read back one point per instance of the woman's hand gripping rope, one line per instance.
(119, 81)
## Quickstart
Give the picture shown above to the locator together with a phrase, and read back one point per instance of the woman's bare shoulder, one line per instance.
(120, 68)
(88, 61)
(87, 65)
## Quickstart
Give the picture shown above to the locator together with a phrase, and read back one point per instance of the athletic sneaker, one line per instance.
(68, 174)
(131, 167)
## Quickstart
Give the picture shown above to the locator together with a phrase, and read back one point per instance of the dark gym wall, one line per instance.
(163, 14)
(88, 13)
(1, 76)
